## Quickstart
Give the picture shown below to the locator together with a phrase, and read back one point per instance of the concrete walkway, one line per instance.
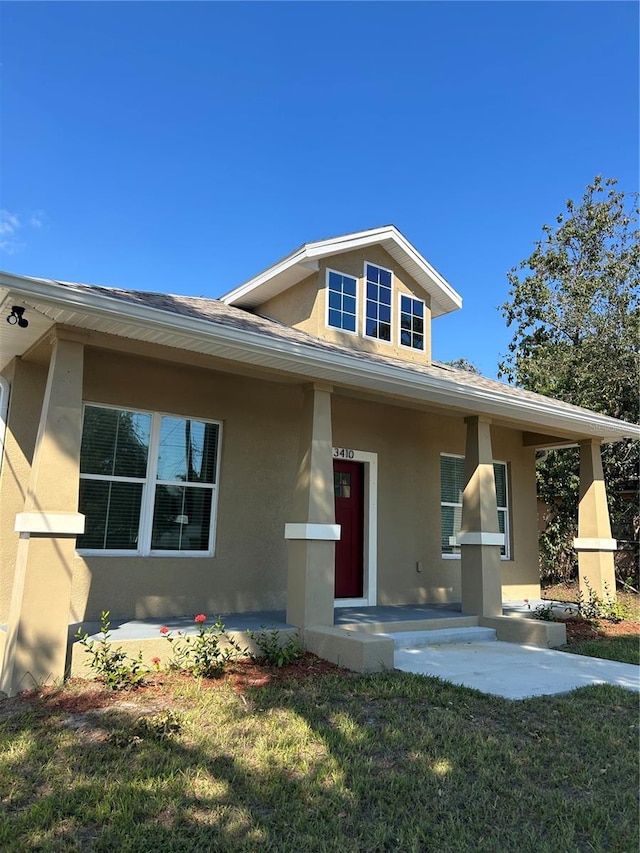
(514, 671)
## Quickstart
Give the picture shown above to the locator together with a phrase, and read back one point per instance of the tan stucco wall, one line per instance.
(257, 469)
(259, 450)
(304, 305)
(409, 444)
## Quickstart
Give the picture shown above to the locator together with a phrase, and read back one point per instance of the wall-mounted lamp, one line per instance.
(16, 317)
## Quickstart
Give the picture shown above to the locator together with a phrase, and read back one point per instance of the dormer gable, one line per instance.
(370, 290)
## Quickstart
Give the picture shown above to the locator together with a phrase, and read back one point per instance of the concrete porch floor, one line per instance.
(381, 618)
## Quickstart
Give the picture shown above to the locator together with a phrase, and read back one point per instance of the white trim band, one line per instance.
(53, 523)
(297, 530)
(480, 538)
(595, 544)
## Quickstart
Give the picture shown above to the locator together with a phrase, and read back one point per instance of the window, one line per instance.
(147, 482)
(411, 322)
(451, 488)
(377, 321)
(341, 301)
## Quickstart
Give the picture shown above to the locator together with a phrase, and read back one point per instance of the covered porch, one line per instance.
(353, 627)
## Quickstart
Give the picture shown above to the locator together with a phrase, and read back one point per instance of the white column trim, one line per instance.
(300, 530)
(479, 537)
(53, 523)
(586, 544)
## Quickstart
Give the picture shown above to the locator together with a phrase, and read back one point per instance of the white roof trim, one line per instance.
(296, 266)
(299, 359)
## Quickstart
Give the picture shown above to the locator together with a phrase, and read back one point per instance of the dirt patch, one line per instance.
(580, 630)
(80, 697)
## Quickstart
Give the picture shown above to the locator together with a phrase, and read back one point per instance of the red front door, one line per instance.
(348, 480)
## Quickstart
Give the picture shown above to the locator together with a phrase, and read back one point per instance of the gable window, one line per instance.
(377, 321)
(341, 301)
(148, 482)
(411, 322)
(451, 488)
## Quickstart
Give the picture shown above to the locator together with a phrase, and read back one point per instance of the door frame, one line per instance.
(370, 511)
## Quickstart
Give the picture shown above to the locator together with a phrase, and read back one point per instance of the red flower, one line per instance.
(164, 630)
(155, 661)
(200, 618)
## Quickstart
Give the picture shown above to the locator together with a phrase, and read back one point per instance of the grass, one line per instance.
(336, 762)
(624, 648)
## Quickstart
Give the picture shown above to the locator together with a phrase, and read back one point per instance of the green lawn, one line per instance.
(624, 648)
(391, 762)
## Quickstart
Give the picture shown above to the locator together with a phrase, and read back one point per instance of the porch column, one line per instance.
(594, 544)
(36, 647)
(479, 537)
(313, 531)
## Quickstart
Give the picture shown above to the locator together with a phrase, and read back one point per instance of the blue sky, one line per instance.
(183, 147)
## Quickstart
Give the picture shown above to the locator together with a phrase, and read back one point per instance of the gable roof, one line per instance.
(305, 260)
(208, 326)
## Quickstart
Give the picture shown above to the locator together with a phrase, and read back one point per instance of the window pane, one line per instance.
(114, 442)
(112, 513)
(501, 484)
(405, 304)
(349, 322)
(452, 478)
(349, 286)
(451, 519)
(335, 300)
(187, 450)
(334, 319)
(418, 342)
(502, 527)
(385, 277)
(181, 519)
(349, 304)
(385, 295)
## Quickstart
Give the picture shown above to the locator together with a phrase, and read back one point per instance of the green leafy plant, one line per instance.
(160, 727)
(205, 654)
(544, 612)
(111, 666)
(595, 607)
(275, 650)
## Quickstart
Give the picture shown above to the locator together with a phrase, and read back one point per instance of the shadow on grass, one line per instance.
(391, 762)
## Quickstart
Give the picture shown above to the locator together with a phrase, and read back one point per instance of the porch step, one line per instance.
(404, 640)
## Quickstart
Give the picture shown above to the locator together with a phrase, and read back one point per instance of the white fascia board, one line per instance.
(341, 368)
(441, 291)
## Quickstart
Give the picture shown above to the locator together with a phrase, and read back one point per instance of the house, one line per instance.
(290, 445)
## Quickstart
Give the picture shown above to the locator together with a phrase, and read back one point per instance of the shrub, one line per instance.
(274, 650)
(111, 666)
(595, 607)
(205, 654)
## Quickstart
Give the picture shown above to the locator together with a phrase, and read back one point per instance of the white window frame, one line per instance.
(364, 304)
(149, 484)
(424, 325)
(505, 509)
(326, 315)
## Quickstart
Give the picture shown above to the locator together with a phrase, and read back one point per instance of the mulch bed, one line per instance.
(581, 630)
(80, 696)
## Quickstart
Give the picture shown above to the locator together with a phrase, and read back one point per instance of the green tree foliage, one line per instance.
(575, 306)
(463, 364)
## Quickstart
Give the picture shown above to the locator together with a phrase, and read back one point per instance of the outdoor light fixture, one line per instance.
(16, 317)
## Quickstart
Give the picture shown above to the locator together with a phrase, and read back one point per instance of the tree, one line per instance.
(575, 305)
(463, 364)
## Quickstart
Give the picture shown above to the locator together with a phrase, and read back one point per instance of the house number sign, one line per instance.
(343, 453)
